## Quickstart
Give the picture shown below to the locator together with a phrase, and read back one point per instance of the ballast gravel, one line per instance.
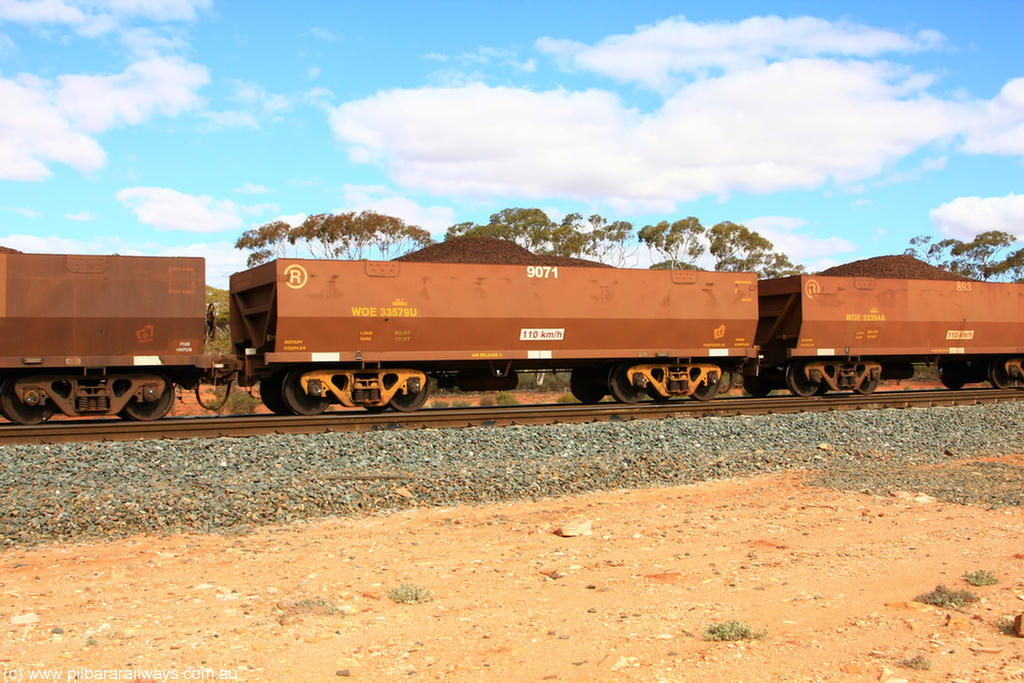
(69, 492)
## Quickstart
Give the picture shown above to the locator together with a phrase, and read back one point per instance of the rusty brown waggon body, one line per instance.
(371, 333)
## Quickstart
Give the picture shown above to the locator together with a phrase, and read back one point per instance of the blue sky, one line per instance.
(838, 130)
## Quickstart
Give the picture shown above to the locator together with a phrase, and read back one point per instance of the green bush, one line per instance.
(408, 594)
(947, 598)
(982, 577)
(504, 398)
(241, 402)
(732, 630)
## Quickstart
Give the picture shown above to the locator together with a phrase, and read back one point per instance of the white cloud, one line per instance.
(43, 122)
(36, 244)
(434, 219)
(318, 96)
(292, 219)
(216, 120)
(965, 217)
(167, 209)
(34, 132)
(252, 188)
(97, 17)
(785, 233)
(322, 33)
(165, 85)
(653, 55)
(222, 259)
(22, 211)
(82, 216)
(254, 94)
(786, 125)
(998, 126)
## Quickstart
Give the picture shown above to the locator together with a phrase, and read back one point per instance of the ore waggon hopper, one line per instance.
(819, 333)
(373, 334)
(98, 335)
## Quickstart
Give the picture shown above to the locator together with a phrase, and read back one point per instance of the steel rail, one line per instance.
(437, 418)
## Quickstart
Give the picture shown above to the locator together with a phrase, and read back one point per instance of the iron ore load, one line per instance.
(114, 335)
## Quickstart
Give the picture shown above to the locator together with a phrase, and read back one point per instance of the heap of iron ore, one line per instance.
(491, 251)
(898, 266)
(8, 250)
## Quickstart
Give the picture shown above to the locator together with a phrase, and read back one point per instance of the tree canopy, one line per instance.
(989, 256)
(735, 248)
(348, 235)
(682, 244)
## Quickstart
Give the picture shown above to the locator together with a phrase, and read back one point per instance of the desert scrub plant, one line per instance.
(917, 662)
(566, 398)
(408, 594)
(309, 606)
(1006, 626)
(982, 577)
(946, 597)
(731, 630)
(504, 398)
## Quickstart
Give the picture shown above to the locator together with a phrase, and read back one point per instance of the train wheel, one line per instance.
(406, 403)
(823, 389)
(270, 393)
(144, 411)
(296, 399)
(757, 385)
(997, 374)
(587, 386)
(951, 377)
(866, 387)
(16, 411)
(706, 392)
(797, 381)
(621, 388)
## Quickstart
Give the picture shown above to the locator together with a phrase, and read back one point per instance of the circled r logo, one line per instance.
(295, 276)
(812, 288)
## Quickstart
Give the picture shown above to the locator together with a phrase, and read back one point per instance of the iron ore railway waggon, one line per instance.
(367, 333)
(100, 335)
(114, 335)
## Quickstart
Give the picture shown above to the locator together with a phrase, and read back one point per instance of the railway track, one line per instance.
(255, 425)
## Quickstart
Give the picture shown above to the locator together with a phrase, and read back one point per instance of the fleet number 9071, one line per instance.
(542, 272)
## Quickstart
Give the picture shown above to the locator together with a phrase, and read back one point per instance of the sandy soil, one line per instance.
(829, 577)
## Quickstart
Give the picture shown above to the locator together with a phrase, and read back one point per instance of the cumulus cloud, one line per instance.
(165, 85)
(434, 219)
(785, 232)
(98, 17)
(216, 120)
(252, 188)
(44, 121)
(652, 55)
(965, 217)
(997, 126)
(80, 216)
(167, 209)
(33, 132)
(756, 106)
(793, 124)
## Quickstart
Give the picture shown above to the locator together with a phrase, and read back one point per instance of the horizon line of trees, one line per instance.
(683, 244)
(680, 244)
